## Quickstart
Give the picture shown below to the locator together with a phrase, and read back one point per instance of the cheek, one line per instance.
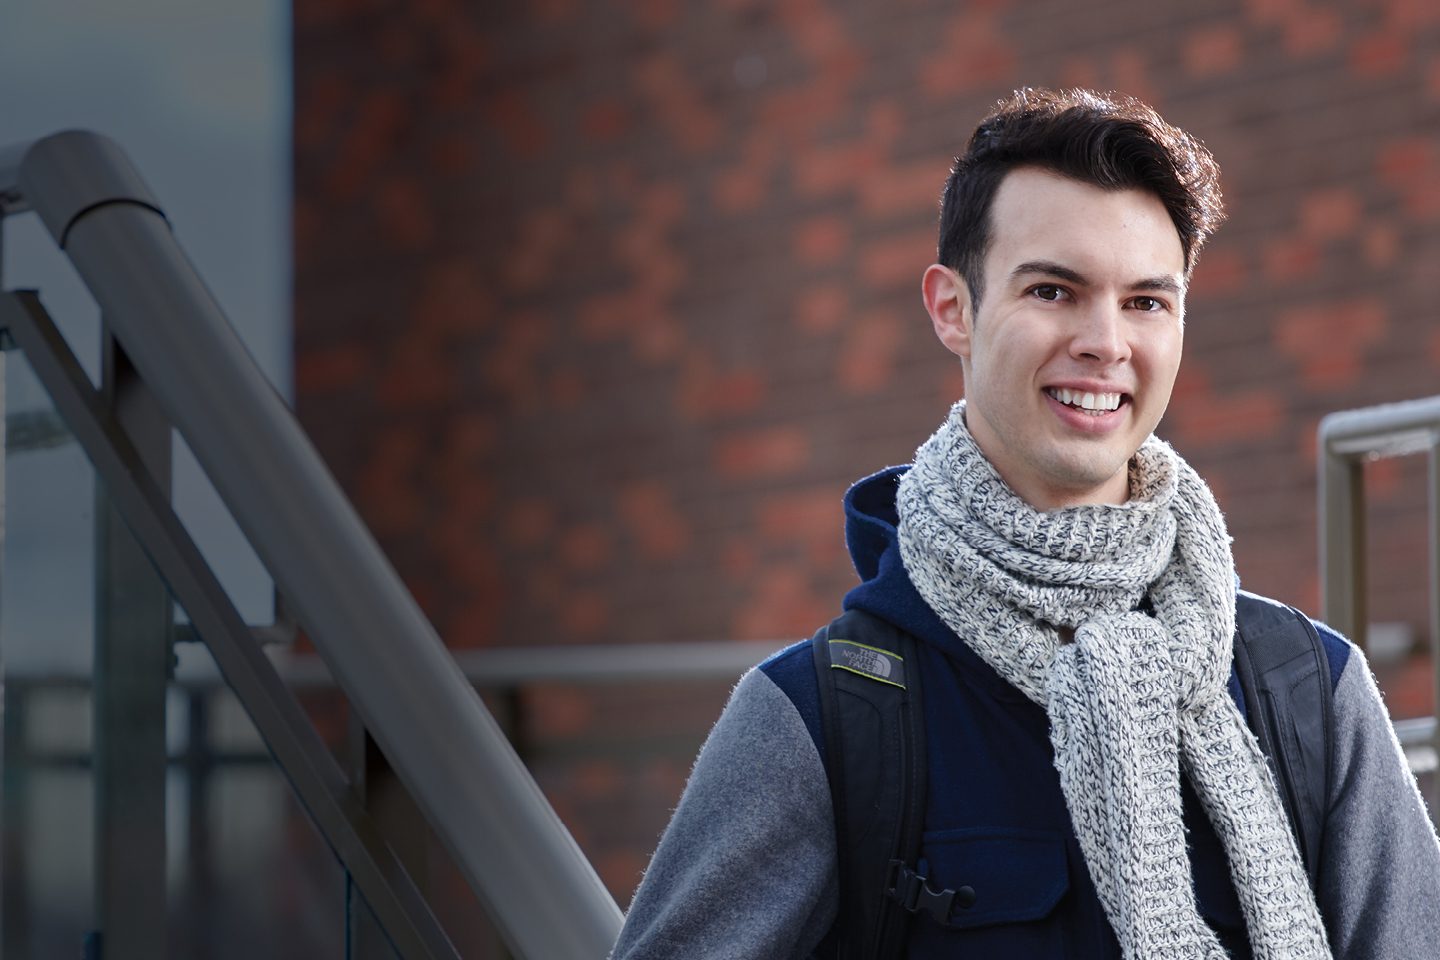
(1015, 357)
(1159, 345)
(1161, 356)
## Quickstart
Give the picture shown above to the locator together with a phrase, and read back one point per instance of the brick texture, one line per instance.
(600, 307)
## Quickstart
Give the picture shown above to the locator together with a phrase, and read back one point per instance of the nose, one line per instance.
(1101, 334)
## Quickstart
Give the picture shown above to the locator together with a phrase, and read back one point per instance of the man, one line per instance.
(1092, 783)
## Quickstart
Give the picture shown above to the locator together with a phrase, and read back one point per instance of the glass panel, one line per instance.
(250, 875)
(247, 874)
(46, 631)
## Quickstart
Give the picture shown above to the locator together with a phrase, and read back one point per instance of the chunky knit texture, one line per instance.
(1133, 696)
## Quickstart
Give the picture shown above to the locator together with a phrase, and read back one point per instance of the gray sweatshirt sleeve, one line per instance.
(746, 867)
(1380, 869)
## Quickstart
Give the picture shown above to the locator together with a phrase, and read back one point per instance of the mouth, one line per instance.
(1086, 402)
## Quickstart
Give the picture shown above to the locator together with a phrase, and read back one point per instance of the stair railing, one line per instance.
(447, 750)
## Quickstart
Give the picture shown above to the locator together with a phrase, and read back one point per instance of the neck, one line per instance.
(1038, 492)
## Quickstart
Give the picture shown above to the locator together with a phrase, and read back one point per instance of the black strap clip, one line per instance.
(912, 891)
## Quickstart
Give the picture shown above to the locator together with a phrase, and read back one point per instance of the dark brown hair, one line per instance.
(1111, 141)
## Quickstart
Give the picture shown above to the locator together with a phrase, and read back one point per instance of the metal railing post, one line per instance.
(1434, 590)
(15, 802)
(400, 823)
(1342, 546)
(131, 667)
(200, 765)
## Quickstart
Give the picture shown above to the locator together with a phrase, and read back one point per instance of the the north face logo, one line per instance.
(866, 661)
(872, 662)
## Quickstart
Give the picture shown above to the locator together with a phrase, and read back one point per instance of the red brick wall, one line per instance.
(600, 307)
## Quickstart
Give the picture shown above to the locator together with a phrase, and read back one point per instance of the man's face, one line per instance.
(1071, 358)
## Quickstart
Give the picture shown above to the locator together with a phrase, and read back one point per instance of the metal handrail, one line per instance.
(1347, 440)
(448, 751)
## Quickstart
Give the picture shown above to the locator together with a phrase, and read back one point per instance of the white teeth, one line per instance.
(1092, 402)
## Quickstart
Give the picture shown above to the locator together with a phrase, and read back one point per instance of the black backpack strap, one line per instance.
(1285, 676)
(873, 721)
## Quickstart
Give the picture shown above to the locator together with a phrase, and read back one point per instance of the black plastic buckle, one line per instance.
(912, 891)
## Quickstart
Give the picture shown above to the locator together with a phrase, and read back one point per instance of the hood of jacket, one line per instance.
(885, 589)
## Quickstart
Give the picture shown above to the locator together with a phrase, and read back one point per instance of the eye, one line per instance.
(1148, 304)
(1049, 292)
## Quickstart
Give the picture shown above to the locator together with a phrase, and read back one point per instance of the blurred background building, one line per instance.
(599, 308)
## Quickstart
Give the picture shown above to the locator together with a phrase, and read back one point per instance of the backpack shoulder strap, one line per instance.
(873, 722)
(1285, 677)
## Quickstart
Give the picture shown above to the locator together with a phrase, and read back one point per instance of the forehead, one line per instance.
(1118, 235)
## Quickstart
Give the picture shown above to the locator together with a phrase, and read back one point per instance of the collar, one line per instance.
(885, 589)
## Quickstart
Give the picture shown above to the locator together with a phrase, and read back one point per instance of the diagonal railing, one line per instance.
(448, 751)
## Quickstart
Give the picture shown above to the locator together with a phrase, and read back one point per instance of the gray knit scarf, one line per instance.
(1134, 696)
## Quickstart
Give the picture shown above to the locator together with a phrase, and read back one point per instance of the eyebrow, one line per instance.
(1050, 268)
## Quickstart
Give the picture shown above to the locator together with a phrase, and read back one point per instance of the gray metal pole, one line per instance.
(16, 906)
(131, 669)
(1342, 540)
(427, 718)
(1433, 584)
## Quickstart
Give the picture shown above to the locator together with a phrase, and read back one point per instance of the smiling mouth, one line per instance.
(1092, 404)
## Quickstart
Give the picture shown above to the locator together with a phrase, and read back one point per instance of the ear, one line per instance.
(947, 300)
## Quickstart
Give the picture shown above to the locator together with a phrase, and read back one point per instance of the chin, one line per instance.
(1086, 480)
